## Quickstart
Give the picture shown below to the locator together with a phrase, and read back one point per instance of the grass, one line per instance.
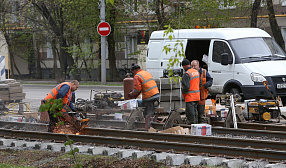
(12, 166)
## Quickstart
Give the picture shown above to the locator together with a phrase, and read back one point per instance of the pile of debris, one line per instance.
(11, 91)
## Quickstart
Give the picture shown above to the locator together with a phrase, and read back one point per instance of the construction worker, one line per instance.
(64, 91)
(207, 82)
(191, 91)
(144, 83)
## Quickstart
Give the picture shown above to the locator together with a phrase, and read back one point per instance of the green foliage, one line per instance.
(73, 151)
(54, 107)
(177, 50)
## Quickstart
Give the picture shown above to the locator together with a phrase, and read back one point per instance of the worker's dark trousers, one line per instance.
(148, 112)
(53, 122)
(148, 108)
(192, 112)
(201, 110)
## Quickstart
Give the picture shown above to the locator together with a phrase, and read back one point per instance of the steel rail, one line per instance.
(257, 126)
(239, 142)
(159, 126)
(272, 155)
(215, 130)
(38, 126)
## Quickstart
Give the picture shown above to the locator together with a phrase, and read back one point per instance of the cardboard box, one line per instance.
(128, 104)
(201, 129)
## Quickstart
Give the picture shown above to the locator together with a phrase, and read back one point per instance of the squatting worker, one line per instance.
(65, 91)
(144, 83)
(191, 91)
(207, 82)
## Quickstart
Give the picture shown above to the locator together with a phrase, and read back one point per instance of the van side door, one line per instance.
(220, 73)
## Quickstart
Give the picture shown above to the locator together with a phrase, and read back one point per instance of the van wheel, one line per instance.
(234, 91)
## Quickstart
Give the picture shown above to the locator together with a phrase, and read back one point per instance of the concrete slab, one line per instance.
(18, 143)
(81, 149)
(194, 160)
(212, 161)
(160, 156)
(277, 165)
(30, 144)
(232, 163)
(97, 150)
(139, 154)
(256, 164)
(6, 142)
(111, 151)
(175, 159)
(125, 153)
(56, 147)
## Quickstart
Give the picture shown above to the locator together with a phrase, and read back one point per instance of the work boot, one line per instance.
(147, 122)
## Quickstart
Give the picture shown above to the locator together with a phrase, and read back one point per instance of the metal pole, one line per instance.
(103, 45)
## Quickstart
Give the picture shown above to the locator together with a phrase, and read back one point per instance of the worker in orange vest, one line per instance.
(207, 82)
(144, 83)
(191, 91)
(64, 91)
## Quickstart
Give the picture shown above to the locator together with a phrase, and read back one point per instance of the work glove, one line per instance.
(206, 85)
(130, 96)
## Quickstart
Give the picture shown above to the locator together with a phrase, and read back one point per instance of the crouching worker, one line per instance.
(62, 91)
(144, 83)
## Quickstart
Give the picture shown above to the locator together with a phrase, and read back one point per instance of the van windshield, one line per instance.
(257, 49)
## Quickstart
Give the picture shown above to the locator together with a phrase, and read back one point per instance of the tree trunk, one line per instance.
(274, 25)
(37, 57)
(55, 68)
(159, 15)
(254, 13)
(111, 47)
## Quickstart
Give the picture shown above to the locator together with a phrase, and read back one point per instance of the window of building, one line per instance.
(227, 4)
(49, 50)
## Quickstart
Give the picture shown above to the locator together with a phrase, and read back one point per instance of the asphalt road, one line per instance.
(34, 92)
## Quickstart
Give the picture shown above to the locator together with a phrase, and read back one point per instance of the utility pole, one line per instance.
(104, 47)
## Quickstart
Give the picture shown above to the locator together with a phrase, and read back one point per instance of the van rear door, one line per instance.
(154, 57)
(220, 73)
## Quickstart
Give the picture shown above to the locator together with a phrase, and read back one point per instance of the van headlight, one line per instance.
(256, 77)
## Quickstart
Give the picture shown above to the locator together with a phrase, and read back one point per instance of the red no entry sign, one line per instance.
(103, 29)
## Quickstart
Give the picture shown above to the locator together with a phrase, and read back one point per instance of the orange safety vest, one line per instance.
(194, 90)
(66, 99)
(148, 84)
(204, 92)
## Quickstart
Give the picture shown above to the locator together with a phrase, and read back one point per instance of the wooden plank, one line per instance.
(16, 89)
(4, 86)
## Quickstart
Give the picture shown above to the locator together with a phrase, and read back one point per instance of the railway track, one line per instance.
(234, 147)
(158, 144)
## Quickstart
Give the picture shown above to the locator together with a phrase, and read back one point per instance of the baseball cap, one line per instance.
(185, 62)
(135, 66)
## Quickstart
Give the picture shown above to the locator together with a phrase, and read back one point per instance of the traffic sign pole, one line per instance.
(103, 45)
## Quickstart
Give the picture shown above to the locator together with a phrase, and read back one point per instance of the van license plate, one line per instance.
(281, 86)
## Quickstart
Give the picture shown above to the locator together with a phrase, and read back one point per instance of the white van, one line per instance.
(239, 59)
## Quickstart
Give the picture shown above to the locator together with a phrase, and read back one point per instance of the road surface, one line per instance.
(34, 92)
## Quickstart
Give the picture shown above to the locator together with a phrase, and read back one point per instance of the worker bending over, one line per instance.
(207, 82)
(65, 92)
(144, 83)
